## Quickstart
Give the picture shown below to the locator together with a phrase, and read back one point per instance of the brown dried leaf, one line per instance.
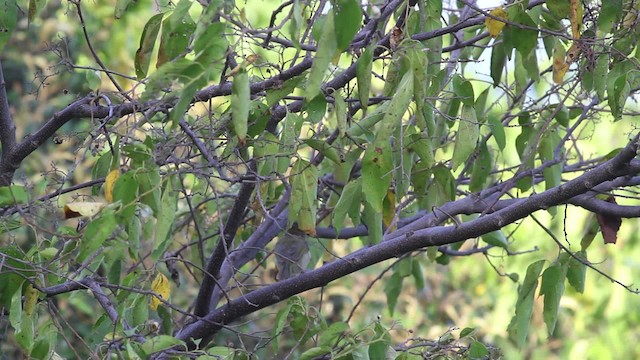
(609, 225)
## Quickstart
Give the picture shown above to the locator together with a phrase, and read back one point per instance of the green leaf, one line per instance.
(364, 68)
(275, 95)
(610, 13)
(497, 129)
(332, 334)
(392, 289)
(325, 149)
(14, 194)
(559, 8)
(477, 351)
(421, 145)
(377, 167)
(296, 23)
(315, 109)
(418, 276)
(149, 184)
(280, 323)
(95, 234)
(443, 187)
(240, 98)
(373, 220)
(600, 74)
(316, 352)
(8, 20)
(466, 137)
(524, 40)
(398, 106)
(378, 348)
(121, 7)
(496, 238)
(552, 288)
(552, 174)
(577, 271)
(159, 343)
(126, 191)
(264, 150)
(519, 325)
(498, 58)
(621, 91)
(147, 43)
(327, 46)
(176, 32)
(482, 167)
(463, 90)
(351, 194)
(467, 332)
(304, 186)
(165, 219)
(341, 112)
(481, 103)
(288, 141)
(348, 18)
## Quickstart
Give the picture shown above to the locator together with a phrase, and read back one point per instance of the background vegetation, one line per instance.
(465, 174)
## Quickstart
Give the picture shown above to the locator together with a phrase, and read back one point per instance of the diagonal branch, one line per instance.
(401, 242)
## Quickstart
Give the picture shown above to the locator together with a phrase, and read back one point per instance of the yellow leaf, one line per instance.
(112, 336)
(389, 209)
(30, 300)
(86, 209)
(494, 26)
(575, 17)
(109, 181)
(560, 66)
(160, 285)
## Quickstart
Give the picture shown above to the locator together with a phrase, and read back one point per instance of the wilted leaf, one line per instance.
(87, 209)
(560, 67)
(162, 287)
(147, 43)
(494, 26)
(609, 225)
(30, 300)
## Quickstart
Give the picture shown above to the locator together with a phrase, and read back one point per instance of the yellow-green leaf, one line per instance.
(466, 138)
(240, 98)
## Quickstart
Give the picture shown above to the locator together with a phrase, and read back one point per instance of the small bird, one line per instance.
(292, 253)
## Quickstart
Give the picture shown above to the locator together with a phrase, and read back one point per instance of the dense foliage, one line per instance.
(220, 179)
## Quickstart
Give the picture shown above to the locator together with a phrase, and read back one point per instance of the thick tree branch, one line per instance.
(221, 251)
(7, 133)
(407, 240)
